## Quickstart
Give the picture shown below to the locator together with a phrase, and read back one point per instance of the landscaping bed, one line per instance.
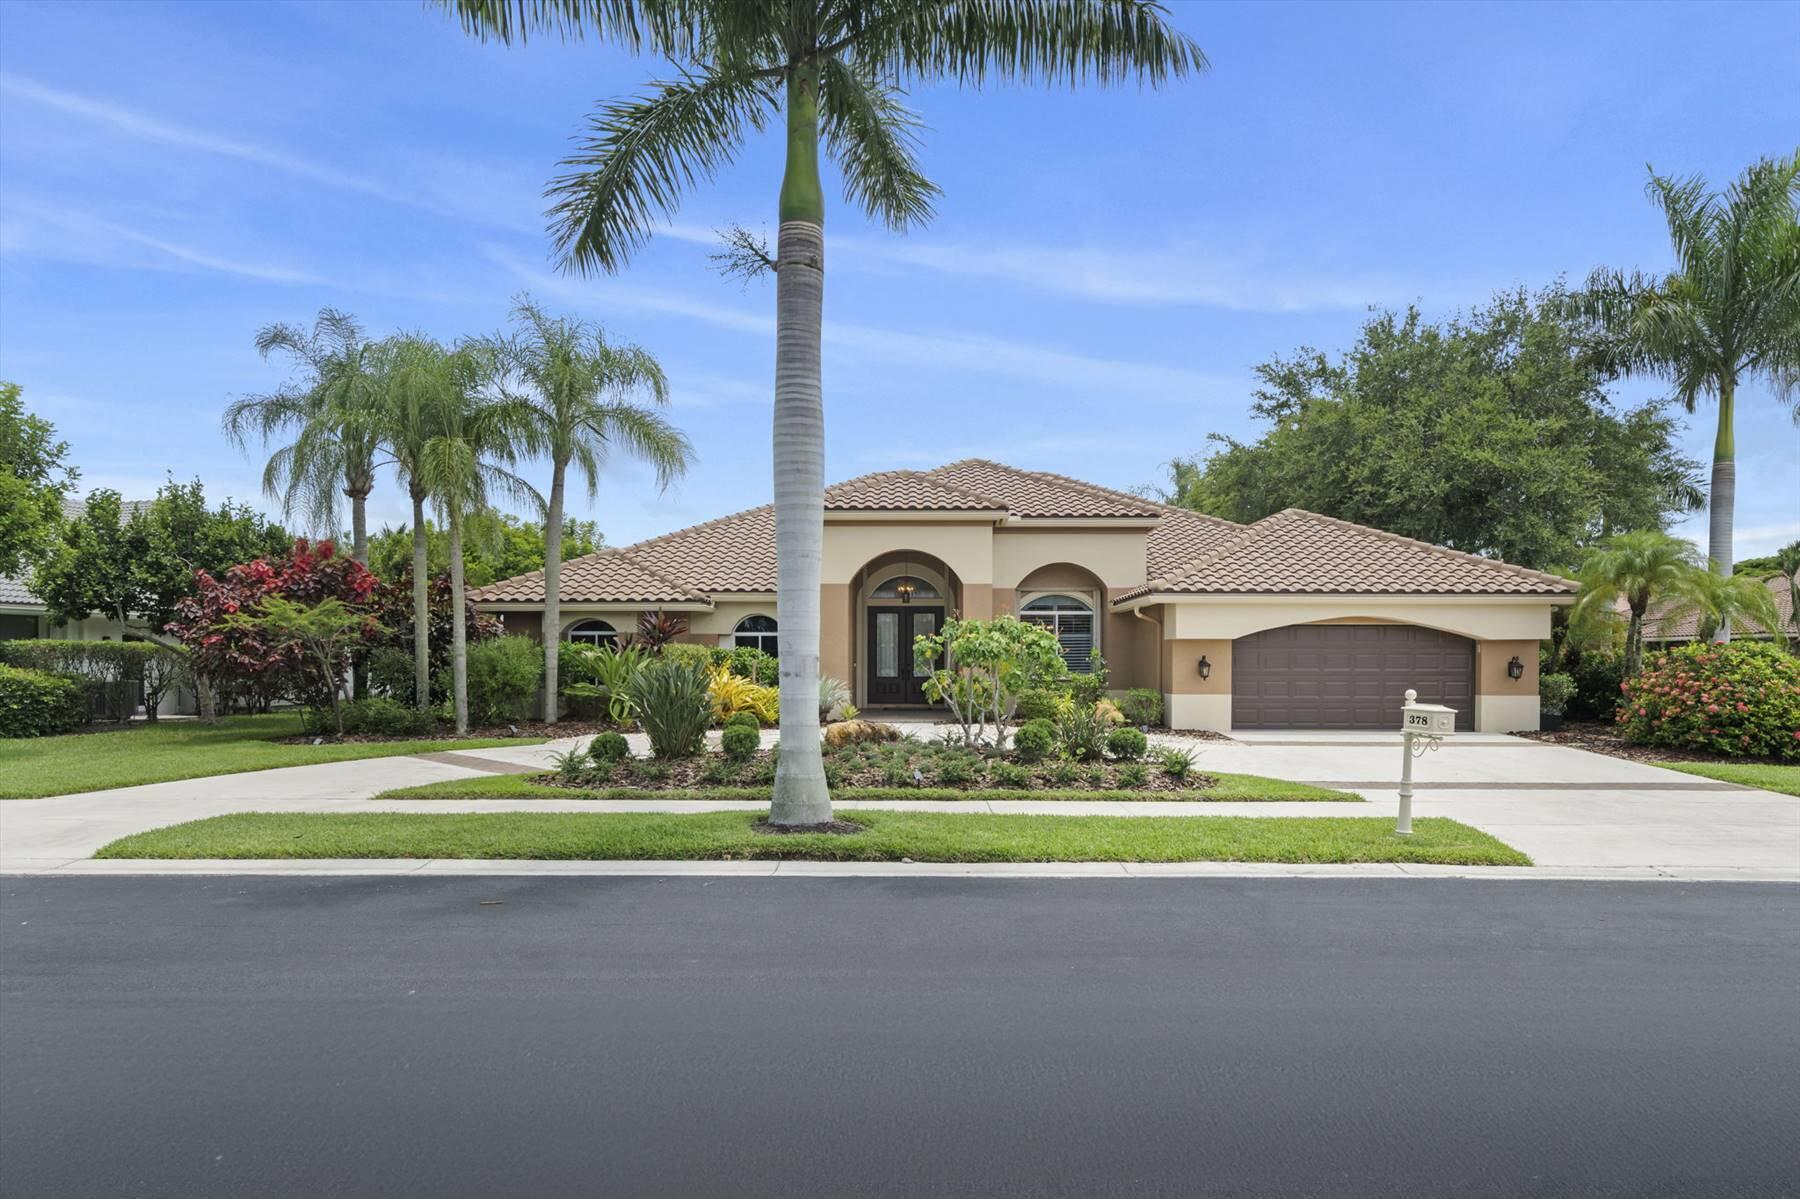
(1223, 788)
(884, 836)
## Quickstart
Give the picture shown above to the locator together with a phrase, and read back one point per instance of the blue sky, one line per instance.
(1105, 271)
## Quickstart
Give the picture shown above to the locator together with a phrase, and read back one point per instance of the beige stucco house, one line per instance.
(1296, 621)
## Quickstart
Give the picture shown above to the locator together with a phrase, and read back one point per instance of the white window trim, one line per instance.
(758, 634)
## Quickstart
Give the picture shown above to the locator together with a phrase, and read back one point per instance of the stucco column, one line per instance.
(1504, 704)
(836, 632)
(1191, 702)
(978, 601)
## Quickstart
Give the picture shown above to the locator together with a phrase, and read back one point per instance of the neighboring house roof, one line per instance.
(73, 509)
(1300, 552)
(14, 591)
(1186, 553)
(1659, 626)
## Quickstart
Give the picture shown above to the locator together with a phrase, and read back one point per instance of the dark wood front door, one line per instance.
(892, 677)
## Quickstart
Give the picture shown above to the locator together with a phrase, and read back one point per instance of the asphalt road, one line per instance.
(785, 1037)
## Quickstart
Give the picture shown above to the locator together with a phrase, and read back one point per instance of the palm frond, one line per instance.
(668, 27)
(869, 131)
(640, 155)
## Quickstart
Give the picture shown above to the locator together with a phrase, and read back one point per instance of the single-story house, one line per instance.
(1665, 624)
(1296, 621)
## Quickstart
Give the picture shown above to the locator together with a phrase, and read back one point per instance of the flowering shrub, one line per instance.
(1741, 699)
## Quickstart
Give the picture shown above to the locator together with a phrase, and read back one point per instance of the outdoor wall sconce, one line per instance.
(1515, 669)
(1205, 667)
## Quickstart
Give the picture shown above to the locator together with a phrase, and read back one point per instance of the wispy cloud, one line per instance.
(971, 353)
(46, 232)
(1187, 272)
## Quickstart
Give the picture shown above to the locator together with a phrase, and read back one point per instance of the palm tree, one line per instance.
(575, 408)
(462, 462)
(333, 416)
(1718, 599)
(407, 427)
(835, 71)
(1728, 313)
(1637, 568)
(1787, 559)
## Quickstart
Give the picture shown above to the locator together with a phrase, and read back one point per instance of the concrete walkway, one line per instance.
(1578, 814)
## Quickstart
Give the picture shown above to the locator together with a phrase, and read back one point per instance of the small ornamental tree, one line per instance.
(1741, 699)
(979, 668)
(253, 661)
(324, 632)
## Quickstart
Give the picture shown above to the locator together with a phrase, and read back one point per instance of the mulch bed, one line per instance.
(1602, 737)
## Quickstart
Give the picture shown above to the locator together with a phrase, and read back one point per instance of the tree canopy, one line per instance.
(34, 478)
(1491, 433)
(496, 545)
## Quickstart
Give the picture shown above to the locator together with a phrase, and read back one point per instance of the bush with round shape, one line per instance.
(740, 743)
(1126, 744)
(1039, 703)
(1034, 740)
(1741, 700)
(1554, 693)
(1142, 706)
(608, 748)
(743, 720)
(35, 703)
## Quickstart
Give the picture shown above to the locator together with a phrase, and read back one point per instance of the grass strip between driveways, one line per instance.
(185, 749)
(1767, 775)
(1232, 787)
(886, 837)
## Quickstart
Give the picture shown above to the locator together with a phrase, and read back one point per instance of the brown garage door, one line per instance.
(1347, 676)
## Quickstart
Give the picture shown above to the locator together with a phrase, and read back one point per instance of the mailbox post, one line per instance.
(1422, 727)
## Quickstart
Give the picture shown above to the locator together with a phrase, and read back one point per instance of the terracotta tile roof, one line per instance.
(607, 577)
(1658, 625)
(1035, 493)
(904, 490)
(1301, 552)
(732, 553)
(1184, 535)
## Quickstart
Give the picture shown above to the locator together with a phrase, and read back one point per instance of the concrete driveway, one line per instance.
(1576, 813)
(1563, 806)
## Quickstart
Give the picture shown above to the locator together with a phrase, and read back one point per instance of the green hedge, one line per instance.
(34, 703)
(1740, 699)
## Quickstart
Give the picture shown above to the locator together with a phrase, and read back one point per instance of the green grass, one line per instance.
(184, 749)
(1770, 777)
(886, 837)
(518, 786)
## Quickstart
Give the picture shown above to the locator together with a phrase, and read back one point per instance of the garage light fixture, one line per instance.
(1515, 669)
(1205, 667)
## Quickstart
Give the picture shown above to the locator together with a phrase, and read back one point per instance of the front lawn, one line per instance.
(183, 749)
(1767, 775)
(1228, 787)
(885, 837)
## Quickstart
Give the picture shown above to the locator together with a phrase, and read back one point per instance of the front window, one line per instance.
(1071, 620)
(594, 632)
(758, 632)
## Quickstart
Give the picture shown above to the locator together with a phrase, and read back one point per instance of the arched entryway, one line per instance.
(898, 597)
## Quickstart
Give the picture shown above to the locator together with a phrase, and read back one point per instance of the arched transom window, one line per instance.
(1071, 619)
(758, 632)
(905, 589)
(593, 632)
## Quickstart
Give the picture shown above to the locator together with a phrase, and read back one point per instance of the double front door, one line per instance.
(893, 677)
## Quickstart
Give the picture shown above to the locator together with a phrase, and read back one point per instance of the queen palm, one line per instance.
(332, 413)
(575, 406)
(462, 464)
(1638, 569)
(413, 367)
(834, 70)
(1717, 599)
(1727, 314)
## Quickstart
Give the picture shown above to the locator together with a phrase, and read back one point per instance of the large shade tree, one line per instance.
(1726, 314)
(577, 391)
(834, 73)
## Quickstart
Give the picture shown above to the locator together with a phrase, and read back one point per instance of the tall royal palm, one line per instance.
(1727, 314)
(574, 390)
(463, 465)
(835, 70)
(332, 413)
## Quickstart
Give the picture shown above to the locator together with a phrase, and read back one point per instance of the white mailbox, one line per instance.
(1433, 720)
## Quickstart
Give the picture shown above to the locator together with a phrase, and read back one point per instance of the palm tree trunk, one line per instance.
(359, 550)
(1634, 643)
(553, 522)
(1723, 497)
(800, 796)
(459, 633)
(421, 601)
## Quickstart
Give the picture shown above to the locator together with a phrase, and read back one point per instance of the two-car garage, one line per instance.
(1347, 676)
